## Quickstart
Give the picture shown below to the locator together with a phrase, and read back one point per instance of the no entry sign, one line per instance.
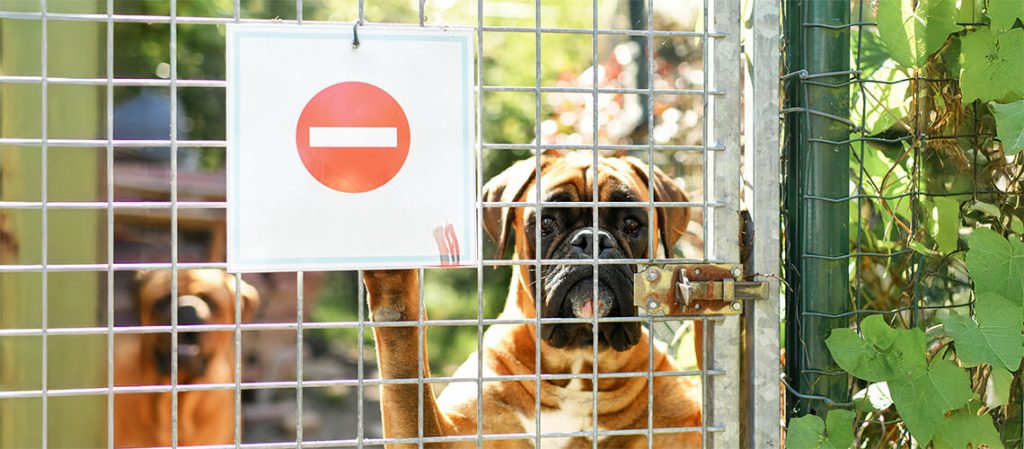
(353, 137)
(344, 158)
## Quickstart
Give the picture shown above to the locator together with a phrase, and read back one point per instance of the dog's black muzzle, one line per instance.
(569, 292)
(191, 359)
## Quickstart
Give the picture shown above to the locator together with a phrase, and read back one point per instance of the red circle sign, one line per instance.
(352, 137)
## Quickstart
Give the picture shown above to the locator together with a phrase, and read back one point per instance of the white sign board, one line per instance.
(344, 158)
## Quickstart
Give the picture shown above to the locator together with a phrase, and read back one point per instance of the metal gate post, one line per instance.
(761, 171)
(723, 124)
(817, 232)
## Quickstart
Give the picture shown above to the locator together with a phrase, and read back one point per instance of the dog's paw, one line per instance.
(392, 294)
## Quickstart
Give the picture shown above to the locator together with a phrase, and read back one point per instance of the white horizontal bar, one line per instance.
(353, 137)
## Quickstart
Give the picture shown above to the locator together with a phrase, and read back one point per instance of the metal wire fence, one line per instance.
(873, 150)
(113, 146)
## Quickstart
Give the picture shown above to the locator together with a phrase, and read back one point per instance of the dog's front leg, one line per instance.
(393, 297)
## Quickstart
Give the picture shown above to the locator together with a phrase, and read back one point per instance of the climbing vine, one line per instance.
(938, 99)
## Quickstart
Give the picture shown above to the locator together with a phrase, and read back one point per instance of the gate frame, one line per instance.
(762, 398)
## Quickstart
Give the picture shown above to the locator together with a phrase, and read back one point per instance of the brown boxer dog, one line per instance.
(566, 405)
(204, 417)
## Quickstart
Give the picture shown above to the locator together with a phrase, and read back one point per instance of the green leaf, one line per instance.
(944, 223)
(1001, 380)
(923, 249)
(924, 397)
(993, 311)
(970, 11)
(1017, 225)
(857, 358)
(986, 208)
(996, 336)
(1010, 124)
(997, 265)
(882, 100)
(965, 427)
(808, 431)
(805, 432)
(884, 353)
(1004, 13)
(839, 424)
(873, 53)
(914, 29)
(992, 65)
(921, 392)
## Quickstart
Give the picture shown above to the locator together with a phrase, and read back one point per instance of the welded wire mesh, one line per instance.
(875, 152)
(114, 156)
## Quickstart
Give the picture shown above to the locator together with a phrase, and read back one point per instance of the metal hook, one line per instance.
(355, 34)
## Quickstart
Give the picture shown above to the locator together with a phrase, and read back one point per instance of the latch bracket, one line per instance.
(694, 289)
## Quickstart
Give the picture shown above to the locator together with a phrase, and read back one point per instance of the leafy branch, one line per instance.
(939, 95)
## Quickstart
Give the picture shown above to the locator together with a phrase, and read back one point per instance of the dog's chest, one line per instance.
(574, 414)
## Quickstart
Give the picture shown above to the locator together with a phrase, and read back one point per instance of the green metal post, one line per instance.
(818, 43)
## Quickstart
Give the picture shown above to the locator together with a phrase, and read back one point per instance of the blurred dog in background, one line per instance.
(205, 297)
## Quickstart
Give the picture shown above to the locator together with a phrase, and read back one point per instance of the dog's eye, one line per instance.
(631, 225)
(547, 225)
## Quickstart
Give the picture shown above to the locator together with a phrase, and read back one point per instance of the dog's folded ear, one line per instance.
(672, 221)
(250, 296)
(509, 186)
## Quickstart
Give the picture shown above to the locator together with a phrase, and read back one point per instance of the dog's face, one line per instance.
(569, 232)
(204, 297)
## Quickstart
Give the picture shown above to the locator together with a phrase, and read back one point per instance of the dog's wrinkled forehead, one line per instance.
(153, 285)
(623, 178)
(212, 285)
(216, 287)
(571, 179)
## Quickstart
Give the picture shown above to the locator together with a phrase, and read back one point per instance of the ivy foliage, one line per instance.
(934, 397)
(965, 428)
(914, 29)
(1004, 13)
(994, 338)
(1010, 123)
(812, 433)
(992, 65)
(937, 107)
(914, 33)
(996, 264)
(922, 392)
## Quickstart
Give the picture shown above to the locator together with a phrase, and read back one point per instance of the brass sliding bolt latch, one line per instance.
(694, 289)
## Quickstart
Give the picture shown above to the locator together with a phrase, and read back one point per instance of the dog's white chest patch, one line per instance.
(575, 414)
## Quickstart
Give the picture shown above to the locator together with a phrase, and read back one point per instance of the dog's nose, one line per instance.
(188, 315)
(584, 240)
(192, 310)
